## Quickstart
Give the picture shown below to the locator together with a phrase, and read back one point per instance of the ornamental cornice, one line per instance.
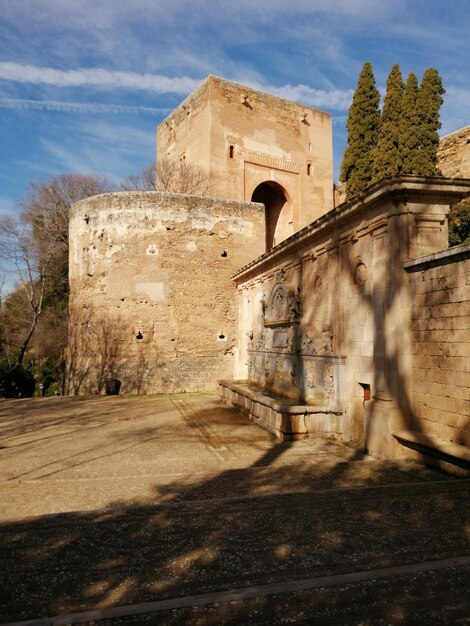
(393, 193)
(258, 158)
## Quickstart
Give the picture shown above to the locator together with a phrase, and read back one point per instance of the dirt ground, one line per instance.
(179, 510)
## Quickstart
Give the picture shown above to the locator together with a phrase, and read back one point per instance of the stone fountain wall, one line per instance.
(286, 357)
(326, 318)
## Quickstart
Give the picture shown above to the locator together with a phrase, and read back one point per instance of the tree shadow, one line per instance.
(288, 515)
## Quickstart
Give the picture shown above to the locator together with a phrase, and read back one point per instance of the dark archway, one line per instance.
(274, 198)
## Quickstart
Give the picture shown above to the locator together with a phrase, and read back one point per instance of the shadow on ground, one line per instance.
(287, 516)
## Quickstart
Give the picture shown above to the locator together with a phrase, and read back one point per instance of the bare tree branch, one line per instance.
(171, 176)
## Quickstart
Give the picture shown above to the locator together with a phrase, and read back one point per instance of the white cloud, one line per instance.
(332, 99)
(95, 77)
(78, 107)
(336, 99)
(100, 147)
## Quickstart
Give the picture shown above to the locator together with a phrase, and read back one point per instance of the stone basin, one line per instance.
(285, 417)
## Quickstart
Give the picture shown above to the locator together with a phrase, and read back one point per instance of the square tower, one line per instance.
(255, 147)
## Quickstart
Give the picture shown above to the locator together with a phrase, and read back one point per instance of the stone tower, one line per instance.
(256, 147)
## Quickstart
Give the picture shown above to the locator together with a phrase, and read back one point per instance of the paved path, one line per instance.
(119, 504)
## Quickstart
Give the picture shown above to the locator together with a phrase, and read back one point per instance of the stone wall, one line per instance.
(151, 300)
(454, 154)
(325, 317)
(245, 138)
(440, 324)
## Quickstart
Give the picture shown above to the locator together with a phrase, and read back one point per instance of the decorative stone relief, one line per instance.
(262, 343)
(284, 306)
(280, 274)
(293, 374)
(361, 277)
(267, 375)
(327, 341)
(307, 345)
(310, 377)
(294, 303)
(280, 338)
(264, 306)
(329, 382)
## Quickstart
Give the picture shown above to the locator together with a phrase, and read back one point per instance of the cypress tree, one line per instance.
(362, 125)
(386, 152)
(428, 103)
(409, 135)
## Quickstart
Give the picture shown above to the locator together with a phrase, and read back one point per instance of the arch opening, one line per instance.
(277, 218)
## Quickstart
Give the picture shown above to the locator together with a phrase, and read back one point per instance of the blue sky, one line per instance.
(83, 83)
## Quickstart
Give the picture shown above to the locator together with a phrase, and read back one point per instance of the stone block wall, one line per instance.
(325, 316)
(151, 300)
(440, 324)
(454, 154)
(245, 138)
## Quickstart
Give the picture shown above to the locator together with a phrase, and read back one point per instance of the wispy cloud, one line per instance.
(333, 99)
(7, 206)
(95, 77)
(336, 99)
(79, 107)
(99, 147)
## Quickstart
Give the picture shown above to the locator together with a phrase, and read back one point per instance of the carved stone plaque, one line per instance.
(279, 339)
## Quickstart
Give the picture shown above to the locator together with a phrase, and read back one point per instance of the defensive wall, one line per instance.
(151, 300)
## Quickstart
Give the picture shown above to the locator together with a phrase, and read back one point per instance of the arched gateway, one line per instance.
(279, 219)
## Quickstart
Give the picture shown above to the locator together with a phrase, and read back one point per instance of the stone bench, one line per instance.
(447, 454)
(283, 416)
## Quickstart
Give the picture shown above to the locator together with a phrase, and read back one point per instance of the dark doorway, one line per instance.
(274, 199)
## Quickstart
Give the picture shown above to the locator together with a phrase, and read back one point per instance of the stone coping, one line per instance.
(398, 188)
(449, 451)
(157, 200)
(277, 402)
(444, 257)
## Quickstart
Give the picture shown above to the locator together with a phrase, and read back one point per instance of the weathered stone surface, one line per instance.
(151, 301)
(360, 307)
(245, 138)
(349, 294)
(441, 351)
(454, 154)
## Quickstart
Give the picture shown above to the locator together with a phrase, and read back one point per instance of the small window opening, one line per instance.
(309, 169)
(221, 336)
(366, 391)
(224, 253)
(231, 151)
(139, 336)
